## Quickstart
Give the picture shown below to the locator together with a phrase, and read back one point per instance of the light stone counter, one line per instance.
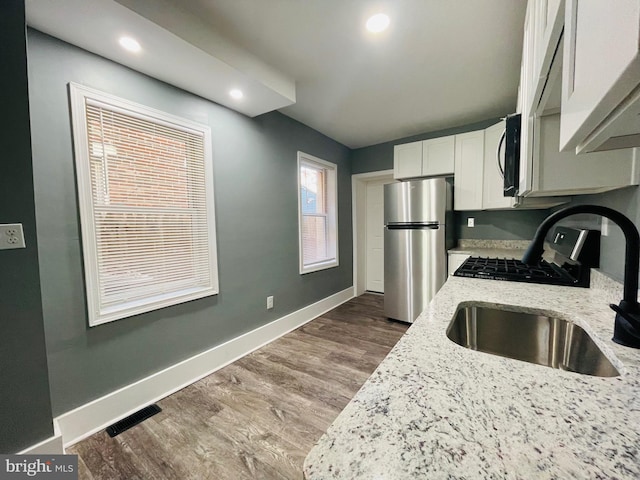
(435, 410)
(492, 248)
(489, 252)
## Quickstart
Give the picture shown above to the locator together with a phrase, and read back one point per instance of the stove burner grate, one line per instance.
(514, 270)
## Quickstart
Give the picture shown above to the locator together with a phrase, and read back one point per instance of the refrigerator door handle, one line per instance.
(413, 226)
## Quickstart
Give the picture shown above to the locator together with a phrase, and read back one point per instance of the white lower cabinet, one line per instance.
(455, 260)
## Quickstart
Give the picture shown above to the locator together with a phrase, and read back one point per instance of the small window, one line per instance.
(317, 199)
(145, 189)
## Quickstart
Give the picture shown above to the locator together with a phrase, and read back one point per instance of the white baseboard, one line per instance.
(96, 415)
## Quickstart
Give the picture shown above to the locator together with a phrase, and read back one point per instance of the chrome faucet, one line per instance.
(626, 330)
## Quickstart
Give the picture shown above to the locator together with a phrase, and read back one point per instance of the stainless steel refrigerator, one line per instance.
(416, 238)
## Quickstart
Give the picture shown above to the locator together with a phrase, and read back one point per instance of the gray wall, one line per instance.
(25, 407)
(256, 209)
(627, 201)
(499, 224)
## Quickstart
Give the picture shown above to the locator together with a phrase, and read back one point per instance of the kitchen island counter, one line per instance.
(434, 409)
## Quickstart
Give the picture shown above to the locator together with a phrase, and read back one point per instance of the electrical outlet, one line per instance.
(471, 222)
(11, 236)
(270, 302)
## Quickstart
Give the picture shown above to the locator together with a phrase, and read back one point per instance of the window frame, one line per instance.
(98, 315)
(331, 215)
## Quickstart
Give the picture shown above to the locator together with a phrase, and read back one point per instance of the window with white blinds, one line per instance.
(145, 188)
(318, 217)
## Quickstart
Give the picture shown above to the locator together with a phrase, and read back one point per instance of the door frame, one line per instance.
(359, 200)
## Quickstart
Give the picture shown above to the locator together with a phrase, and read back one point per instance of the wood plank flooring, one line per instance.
(258, 417)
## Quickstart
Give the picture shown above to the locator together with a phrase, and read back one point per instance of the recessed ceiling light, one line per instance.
(237, 94)
(378, 23)
(130, 44)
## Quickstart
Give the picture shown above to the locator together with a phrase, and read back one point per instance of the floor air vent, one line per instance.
(132, 420)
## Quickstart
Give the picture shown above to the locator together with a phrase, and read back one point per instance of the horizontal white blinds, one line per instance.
(318, 213)
(149, 203)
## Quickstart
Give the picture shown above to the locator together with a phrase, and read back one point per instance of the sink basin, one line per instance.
(531, 337)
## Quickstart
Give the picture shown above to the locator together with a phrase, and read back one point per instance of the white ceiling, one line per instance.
(442, 63)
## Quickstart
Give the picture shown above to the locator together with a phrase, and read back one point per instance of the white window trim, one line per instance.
(332, 212)
(79, 94)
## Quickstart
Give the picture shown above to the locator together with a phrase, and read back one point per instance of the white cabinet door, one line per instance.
(527, 89)
(548, 25)
(407, 160)
(601, 69)
(493, 183)
(438, 156)
(469, 167)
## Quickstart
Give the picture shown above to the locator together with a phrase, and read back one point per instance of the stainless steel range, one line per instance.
(572, 254)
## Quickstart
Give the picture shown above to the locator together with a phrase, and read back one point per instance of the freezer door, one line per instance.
(417, 201)
(414, 270)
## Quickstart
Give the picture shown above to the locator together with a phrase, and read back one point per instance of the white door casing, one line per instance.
(359, 183)
(375, 236)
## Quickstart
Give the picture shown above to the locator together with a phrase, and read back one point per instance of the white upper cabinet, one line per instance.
(427, 158)
(493, 183)
(542, 32)
(438, 156)
(407, 160)
(601, 75)
(469, 168)
(548, 25)
(568, 173)
(550, 65)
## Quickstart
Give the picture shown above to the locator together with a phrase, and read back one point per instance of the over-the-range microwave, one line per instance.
(511, 141)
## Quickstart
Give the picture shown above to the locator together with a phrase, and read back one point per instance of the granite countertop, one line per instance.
(490, 252)
(492, 248)
(434, 409)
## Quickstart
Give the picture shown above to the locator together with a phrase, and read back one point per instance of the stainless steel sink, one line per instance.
(531, 337)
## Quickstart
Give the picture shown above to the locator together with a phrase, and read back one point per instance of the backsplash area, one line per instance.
(499, 224)
(626, 201)
(610, 288)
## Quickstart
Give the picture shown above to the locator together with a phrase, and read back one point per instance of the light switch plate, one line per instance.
(471, 222)
(11, 236)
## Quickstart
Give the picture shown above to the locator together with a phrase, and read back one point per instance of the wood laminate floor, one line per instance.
(258, 417)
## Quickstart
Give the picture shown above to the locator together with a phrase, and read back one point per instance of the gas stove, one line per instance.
(571, 254)
(515, 271)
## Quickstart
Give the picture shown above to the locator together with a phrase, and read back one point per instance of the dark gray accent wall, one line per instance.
(380, 157)
(626, 201)
(255, 168)
(25, 406)
(499, 224)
